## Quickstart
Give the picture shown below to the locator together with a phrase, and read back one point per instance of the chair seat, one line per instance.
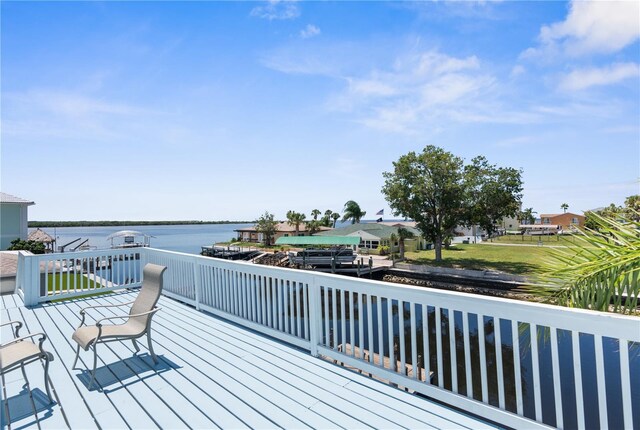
(17, 352)
(85, 336)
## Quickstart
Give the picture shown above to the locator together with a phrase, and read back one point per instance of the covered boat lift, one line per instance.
(129, 240)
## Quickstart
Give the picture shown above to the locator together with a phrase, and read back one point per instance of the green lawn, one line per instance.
(517, 260)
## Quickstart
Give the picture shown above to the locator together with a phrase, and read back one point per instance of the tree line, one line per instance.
(35, 224)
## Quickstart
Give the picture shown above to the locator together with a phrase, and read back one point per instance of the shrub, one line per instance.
(27, 245)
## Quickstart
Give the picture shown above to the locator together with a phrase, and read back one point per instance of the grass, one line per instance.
(71, 282)
(525, 260)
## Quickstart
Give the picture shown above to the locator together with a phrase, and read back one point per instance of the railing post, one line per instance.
(315, 315)
(197, 281)
(31, 281)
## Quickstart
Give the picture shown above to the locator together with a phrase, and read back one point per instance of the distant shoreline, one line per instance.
(34, 224)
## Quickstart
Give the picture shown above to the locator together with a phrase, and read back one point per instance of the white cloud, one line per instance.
(276, 9)
(581, 79)
(591, 27)
(517, 70)
(309, 31)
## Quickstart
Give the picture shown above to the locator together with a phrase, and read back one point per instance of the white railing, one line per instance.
(516, 363)
(47, 277)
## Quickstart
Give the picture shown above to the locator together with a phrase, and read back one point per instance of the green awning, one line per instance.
(318, 240)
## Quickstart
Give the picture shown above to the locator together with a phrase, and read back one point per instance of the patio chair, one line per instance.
(137, 324)
(20, 351)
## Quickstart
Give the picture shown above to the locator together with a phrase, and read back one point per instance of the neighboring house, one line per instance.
(565, 221)
(377, 234)
(13, 219)
(284, 229)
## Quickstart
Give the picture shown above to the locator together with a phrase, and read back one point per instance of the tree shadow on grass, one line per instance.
(516, 268)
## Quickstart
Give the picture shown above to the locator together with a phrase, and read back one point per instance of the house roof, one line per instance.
(555, 215)
(318, 240)
(378, 230)
(8, 198)
(40, 236)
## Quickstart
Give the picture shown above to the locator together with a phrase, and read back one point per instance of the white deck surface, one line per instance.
(212, 374)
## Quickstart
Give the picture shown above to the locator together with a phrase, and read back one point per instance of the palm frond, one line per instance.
(601, 273)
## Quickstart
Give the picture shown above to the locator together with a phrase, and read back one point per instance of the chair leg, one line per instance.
(46, 378)
(95, 362)
(77, 355)
(135, 345)
(153, 354)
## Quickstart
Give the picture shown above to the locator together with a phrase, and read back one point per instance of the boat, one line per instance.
(129, 239)
(323, 256)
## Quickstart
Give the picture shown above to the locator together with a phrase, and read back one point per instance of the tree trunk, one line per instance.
(437, 245)
(401, 245)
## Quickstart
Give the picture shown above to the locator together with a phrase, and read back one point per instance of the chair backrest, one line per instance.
(149, 293)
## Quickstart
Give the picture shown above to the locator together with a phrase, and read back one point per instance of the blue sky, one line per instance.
(222, 110)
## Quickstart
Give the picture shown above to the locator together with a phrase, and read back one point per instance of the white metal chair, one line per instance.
(137, 324)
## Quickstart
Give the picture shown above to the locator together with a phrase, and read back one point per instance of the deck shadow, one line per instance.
(126, 372)
(20, 406)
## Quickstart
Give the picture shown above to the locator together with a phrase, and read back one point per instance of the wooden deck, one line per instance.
(212, 374)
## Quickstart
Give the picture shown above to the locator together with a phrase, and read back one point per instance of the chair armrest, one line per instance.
(83, 311)
(99, 322)
(43, 337)
(18, 325)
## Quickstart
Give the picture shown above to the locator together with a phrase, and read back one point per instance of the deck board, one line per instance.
(212, 374)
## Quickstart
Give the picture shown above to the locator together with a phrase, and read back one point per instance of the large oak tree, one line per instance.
(436, 190)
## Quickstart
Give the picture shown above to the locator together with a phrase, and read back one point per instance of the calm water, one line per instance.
(181, 238)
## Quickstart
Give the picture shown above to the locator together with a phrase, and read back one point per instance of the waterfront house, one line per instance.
(566, 221)
(13, 219)
(283, 229)
(372, 235)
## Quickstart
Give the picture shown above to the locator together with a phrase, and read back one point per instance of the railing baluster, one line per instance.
(299, 298)
(274, 303)
(380, 332)
(369, 328)
(287, 306)
(517, 366)
(626, 383)
(401, 339)
(557, 382)
(327, 336)
(280, 304)
(467, 354)
(263, 302)
(535, 364)
(334, 307)
(425, 344)
(439, 347)
(361, 327)
(414, 342)
(601, 391)
(306, 315)
(290, 307)
(352, 338)
(453, 351)
(343, 323)
(483, 359)
(392, 358)
(499, 369)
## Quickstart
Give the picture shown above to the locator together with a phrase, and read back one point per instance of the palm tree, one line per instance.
(353, 212)
(526, 216)
(315, 213)
(601, 273)
(564, 207)
(403, 234)
(335, 216)
(295, 219)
